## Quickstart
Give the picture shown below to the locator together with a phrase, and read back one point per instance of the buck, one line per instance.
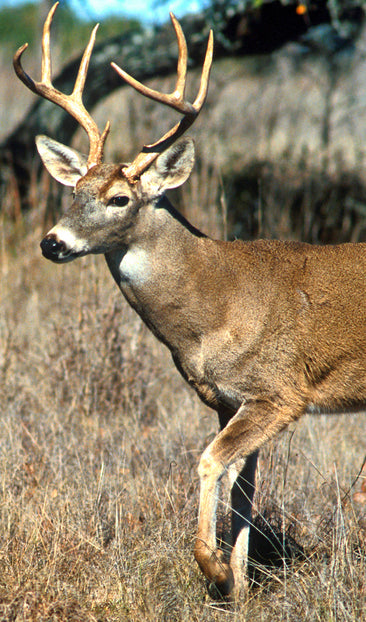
(264, 331)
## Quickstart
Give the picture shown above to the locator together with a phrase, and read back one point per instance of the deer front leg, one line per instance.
(255, 422)
(208, 557)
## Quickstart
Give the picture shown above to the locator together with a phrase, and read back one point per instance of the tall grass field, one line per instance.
(100, 439)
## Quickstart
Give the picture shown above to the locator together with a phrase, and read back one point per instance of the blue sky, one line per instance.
(145, 10)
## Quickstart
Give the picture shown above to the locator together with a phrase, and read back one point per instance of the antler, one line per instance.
(174, 100)
(73, 103)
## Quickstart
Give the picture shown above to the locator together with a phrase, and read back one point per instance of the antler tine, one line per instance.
(46, 70)
(174, 100)
(71, 103)
(84, 66)
(182, 57)
(205, 76)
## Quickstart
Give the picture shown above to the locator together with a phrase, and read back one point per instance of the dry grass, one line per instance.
(100, 439)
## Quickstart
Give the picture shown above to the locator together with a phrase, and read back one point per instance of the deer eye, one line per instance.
(119, 201)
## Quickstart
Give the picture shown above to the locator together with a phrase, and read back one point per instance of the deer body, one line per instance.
(261, 319)
(263, 331)
(250, 318)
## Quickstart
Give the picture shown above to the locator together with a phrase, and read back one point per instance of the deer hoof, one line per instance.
(217, 571)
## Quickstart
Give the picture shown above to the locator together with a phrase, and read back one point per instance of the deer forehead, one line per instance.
(105, 181)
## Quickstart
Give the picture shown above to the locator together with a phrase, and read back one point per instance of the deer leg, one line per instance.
(242, 494)
(241, 480)
(208, 556)
(255, 422)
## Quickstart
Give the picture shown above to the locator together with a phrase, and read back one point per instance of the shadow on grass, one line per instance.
(270, 550)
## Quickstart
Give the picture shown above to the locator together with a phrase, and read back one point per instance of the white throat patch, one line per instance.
(134, 266)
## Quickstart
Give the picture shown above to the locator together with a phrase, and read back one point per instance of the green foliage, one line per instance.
(20, 24)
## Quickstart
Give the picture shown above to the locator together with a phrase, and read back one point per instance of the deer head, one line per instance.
(111, 195)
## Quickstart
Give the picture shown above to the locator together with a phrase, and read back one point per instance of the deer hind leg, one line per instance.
(242, 494)
(255, 422)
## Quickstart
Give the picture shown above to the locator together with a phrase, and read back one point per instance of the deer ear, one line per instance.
(64, 164)
(172, 168)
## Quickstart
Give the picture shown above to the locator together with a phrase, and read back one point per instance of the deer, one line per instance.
(263, 330)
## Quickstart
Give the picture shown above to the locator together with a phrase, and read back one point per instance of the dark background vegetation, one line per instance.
(298, 120)
(99, 436)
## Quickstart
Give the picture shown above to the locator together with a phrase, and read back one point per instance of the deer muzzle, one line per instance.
(52, 248)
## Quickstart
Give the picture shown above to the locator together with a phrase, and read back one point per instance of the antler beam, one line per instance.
(174, 100)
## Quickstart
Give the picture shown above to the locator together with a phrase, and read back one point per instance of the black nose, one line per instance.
(51, 248)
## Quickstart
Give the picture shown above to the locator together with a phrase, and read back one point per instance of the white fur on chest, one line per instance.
(134, 267)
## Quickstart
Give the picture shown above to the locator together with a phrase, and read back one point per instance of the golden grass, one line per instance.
(100, 439)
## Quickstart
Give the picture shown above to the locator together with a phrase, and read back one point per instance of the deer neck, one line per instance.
(154, 270)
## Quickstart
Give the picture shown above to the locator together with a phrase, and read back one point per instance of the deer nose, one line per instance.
(51, 247)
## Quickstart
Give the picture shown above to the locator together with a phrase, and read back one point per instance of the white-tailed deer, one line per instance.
(263, 331)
